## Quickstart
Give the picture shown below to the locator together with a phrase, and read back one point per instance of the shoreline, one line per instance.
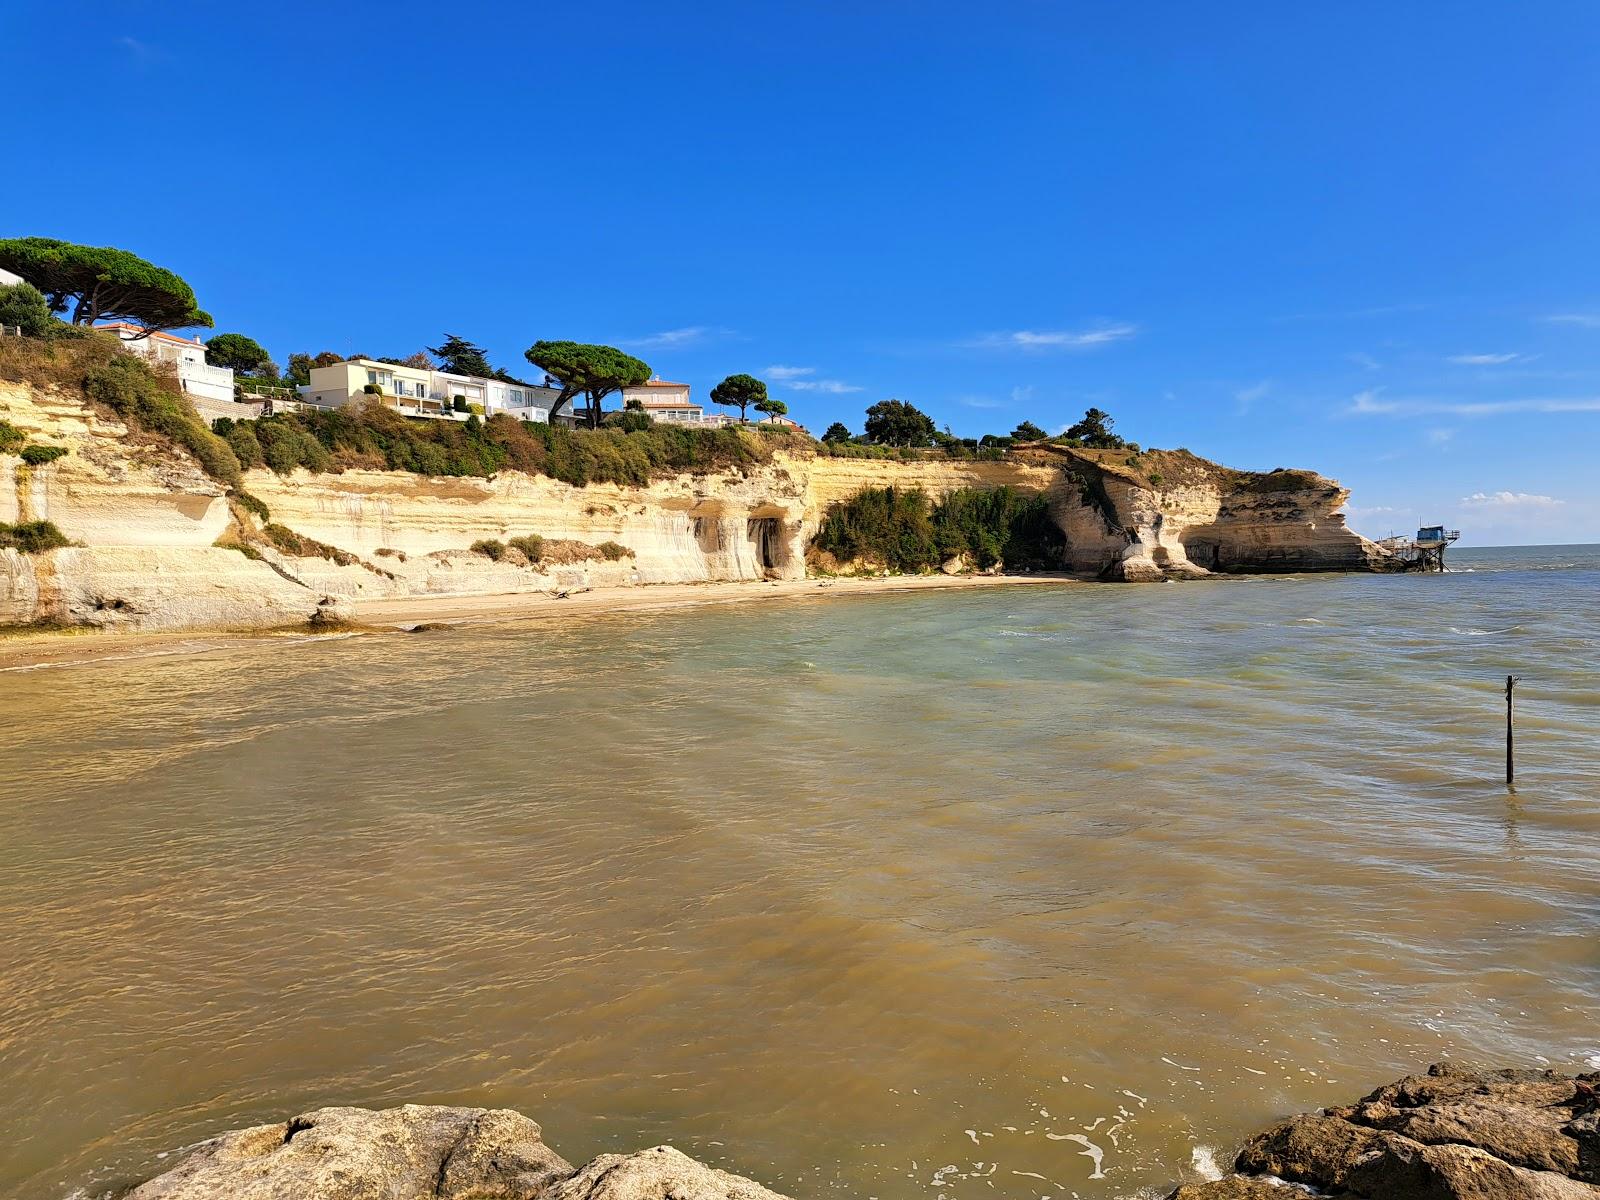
(26, 650)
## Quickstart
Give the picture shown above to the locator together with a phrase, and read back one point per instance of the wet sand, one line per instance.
(66, 647)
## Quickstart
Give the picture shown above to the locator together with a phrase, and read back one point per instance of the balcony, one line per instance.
(205, 373)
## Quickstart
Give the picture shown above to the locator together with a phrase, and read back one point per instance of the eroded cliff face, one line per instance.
(148, 519)
(153, 531)
(1169, 514)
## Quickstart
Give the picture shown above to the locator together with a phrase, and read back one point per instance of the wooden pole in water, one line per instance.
(1511, 771)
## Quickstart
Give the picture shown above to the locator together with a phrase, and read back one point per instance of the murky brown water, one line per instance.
(902, 896)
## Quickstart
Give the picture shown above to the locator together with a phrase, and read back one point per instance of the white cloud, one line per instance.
(1482, 360)
(1022, 394)
(1365, 361)
(1524, 500)
(677, 339)
(1440, 436)
(981, 402)
(834, 387)
(1582, 320)
(781, 372)
(1367, 403)
(1245, 397)
(1055, 339)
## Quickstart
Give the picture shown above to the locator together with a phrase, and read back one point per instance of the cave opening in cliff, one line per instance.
(766, 536)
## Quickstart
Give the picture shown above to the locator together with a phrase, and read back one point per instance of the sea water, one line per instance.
(1022, 892)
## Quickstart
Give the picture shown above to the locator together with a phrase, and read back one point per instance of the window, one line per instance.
(372, 377)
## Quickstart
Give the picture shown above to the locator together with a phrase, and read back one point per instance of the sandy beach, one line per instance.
(28, 650)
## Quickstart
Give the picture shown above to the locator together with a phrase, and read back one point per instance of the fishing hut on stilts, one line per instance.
(1425, 552)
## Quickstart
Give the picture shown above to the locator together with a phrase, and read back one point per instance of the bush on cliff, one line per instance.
(23, 307)
(32, 537)
(285, 445)
(904, 531)
(491, 548)
(531, 545)
(290, 542)
(11, 438)
(374, 437)
(998, 525)
(241, 438)
(128, 387)
(76, 358)
(37, 455)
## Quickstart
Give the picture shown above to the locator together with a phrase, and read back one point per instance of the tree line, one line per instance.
(896, 423)
(85, 285)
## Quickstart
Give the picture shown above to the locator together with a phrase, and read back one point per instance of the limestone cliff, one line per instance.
(1170, 514)
(153, 532)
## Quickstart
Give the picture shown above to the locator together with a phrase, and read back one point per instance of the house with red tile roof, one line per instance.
(196, 376)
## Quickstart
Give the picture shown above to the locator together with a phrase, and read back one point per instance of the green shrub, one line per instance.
(245, 445)
(376, 437)
(11, 438)
(632, 420)
(32, 537)
(490, 548)
(904, 531)
(252, 505)
(37, 455)
(126, 385)
(290, 542)
(458, 403)
(531, 545)
(23, 305)
(248, 551)
(890, 525)
(613, 551)
(285, 445)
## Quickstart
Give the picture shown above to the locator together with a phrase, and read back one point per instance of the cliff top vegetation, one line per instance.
(373, 437)
(143, 396)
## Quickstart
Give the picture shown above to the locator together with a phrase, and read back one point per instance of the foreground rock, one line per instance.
(1452, 1134)
(423, 1152)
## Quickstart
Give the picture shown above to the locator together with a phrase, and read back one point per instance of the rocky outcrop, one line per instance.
(1452, 1134)
(1168, 514)
(422, 1152)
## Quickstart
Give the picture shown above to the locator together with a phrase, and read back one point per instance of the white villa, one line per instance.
(417, 392)
(666, 402)
(196, 376)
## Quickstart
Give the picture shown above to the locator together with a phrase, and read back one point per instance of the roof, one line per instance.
(159, 333)
(657, 383)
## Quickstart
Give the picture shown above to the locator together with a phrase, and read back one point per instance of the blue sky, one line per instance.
(1358, 237)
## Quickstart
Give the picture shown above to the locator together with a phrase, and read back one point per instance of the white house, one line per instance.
(195, 375)
(665, 401)
(419, 392)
